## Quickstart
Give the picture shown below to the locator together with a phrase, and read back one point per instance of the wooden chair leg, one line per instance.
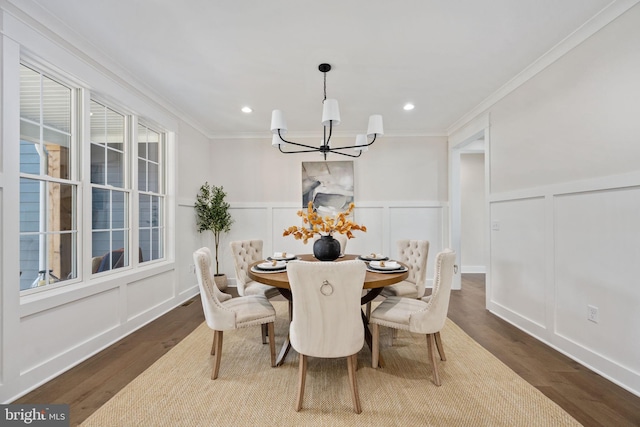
(218, 355)
(368, 311)
(432, 356)
(352, 362)
(440, 347)
(302, 374)
(213, 346)
(375, 345)
(272, 344)
(264, 333)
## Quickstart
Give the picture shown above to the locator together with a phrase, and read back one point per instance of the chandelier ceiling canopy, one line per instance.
(330, 118)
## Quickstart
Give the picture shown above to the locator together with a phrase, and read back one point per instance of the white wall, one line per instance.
(46, 333)
(565, 192)
(400, 192)
(473, 199)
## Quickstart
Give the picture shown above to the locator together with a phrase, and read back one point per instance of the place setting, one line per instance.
(273, 266)
(282, 256)
(373, 257)
(385, 266)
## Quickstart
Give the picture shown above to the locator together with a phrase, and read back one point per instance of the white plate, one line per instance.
(399, 270)
(281, 270)
(278, 265)
(388, 265)
(374, 257)
(278, 257)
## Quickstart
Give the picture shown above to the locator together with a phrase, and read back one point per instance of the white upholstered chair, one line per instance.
(232, 314)
(246, 252)
(419, 316)
(340, 238)
(414, 254)
(326, 316)
(221, 295)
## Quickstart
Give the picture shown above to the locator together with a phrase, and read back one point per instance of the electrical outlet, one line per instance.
(495, 225)
(192, 268)
(592, 313)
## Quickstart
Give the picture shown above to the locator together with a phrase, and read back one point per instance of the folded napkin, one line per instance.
(281, 255)
(273, 264)
(384, 264)
(372, 255)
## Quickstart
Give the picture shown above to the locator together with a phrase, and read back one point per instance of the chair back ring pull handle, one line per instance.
(326, 289)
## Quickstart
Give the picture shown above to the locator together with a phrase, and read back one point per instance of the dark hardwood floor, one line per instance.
(589, 398)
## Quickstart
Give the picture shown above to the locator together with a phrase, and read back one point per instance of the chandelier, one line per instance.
(330, 118)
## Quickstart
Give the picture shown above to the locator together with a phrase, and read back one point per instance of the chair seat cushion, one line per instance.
(256, 288)
(402, 289)
(222, 297)
(395, 312)
(251, 310)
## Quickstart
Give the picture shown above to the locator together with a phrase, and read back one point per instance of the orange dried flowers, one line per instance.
(324, 226)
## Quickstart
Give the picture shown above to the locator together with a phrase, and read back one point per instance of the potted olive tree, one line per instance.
(212, 214)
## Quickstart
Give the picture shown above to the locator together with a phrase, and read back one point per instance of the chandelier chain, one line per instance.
(325, 87)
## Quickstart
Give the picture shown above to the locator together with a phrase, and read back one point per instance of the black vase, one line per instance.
(326, 248)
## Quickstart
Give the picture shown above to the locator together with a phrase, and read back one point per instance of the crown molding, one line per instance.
(51, 28)
(300, 135)
(586, 30)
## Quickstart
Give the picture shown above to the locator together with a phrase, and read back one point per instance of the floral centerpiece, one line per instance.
(324, 226)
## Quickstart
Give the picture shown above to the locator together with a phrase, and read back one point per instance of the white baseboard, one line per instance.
(473, 269)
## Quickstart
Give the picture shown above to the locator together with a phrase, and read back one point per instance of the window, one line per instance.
(151, 194)
(119, 211)
(48, 181)
(109, 193)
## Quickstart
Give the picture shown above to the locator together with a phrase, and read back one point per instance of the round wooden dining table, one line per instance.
(373, 283)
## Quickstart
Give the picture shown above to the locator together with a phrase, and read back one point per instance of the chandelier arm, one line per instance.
(312, 150)
(352, 146)
(345, 154)
(295, 143)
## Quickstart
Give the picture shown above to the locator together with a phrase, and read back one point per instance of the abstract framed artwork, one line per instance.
(329, 185)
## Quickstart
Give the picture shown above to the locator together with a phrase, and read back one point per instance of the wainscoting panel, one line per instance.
(558, 252)
(53, 332)
(517, 257)
(598, 265)
(145, 294)
(386, 222)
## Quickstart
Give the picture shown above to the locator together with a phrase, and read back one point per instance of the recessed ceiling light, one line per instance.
(246, 110)
(408, 106)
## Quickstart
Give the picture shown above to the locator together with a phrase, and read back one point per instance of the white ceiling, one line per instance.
(207, 59)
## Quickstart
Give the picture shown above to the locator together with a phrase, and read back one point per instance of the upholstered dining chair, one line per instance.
(414, 254)
(221, 295)
(246, 252)
(340, 238)
(326, 316)
(419, 316)
(232, 314)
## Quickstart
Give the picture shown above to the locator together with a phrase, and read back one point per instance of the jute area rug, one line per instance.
(477, 389)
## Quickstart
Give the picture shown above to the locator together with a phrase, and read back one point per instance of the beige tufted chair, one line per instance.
(418, 316)
(231, 314)
(221, 295)
(326, 316)
(246, 252)
(413, 253)
(340, 238)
